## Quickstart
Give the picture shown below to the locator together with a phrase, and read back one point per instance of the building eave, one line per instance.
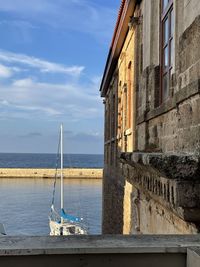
(127, 9)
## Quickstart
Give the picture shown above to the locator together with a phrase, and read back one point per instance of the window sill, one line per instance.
(171, 103)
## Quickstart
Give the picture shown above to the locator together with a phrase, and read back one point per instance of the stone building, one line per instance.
(151, 90)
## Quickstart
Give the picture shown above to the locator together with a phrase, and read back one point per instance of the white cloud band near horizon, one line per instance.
(33, 62)
(22, 98)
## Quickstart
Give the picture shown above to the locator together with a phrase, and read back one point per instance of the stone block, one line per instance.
(141, 136)
(189, 52)
(196, 111)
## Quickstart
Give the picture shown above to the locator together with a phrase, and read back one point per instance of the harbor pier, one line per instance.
(68, 173)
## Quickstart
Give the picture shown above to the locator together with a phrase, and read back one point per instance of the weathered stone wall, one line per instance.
(126, 94)
(163, 193)
(173, 126)
(166, 202)
(150, 15)
(156, 219)
(120, 120)
(113, 199)
(50, 173)
(127, 208)
(177, 130)
(191, 10)
(143, 197)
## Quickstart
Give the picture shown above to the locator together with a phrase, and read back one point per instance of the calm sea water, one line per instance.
(26, 160)
(25, 203)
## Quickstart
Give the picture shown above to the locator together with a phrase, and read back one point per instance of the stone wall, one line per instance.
(164, 196)
(113, 199)
(119, 134)
(157, 219)
(174, 125)
(156, 200)
(157, 193)
(50, 173)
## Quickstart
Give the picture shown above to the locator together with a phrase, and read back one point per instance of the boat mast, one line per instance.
(61, 170)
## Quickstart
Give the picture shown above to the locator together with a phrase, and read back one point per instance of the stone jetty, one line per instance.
(72, 173)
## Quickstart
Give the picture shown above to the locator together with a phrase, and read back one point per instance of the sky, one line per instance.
(52, 57)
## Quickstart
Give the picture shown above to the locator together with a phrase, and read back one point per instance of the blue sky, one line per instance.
(52, 56)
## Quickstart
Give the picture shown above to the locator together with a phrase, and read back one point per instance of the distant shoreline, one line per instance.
(44, 173)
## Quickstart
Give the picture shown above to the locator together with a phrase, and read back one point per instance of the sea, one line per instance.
(25, 203)
(28, 160)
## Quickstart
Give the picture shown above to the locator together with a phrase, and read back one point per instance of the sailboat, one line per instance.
(2, 230)
(61, 223)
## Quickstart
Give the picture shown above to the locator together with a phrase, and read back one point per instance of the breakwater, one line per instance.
(71, 173)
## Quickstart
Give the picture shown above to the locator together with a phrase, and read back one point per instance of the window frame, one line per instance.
(166, 14)
(129, 95)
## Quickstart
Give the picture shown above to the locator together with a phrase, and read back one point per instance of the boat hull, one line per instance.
(65, 228)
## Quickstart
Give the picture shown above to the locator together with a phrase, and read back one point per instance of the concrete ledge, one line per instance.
(50, 173)
(98, 251)
(193, 257)
(18, 246)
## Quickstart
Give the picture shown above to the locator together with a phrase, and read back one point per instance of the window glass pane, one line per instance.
(172, 52)
(166, 58)
(166, 31)
(165, 87)
(164, 4)
(172, 23)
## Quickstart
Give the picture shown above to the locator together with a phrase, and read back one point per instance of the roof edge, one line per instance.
(120, 31)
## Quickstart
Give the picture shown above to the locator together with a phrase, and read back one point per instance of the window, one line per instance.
(129, 95)
(167, 46)
(109, 121)
(125, 104)
(119, 108)
(113, 117)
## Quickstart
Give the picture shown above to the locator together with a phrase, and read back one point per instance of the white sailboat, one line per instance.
(62, 223)
(2, 230)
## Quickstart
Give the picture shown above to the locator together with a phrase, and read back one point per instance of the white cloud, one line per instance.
(5, 72)
(28, 108)
(42, 65)
(84, 136)
(47, 110)
(23, 82)
(29, 98)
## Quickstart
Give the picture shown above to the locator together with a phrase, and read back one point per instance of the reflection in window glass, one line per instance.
(165, 3)
(172, 23)
(166, 57)
(166, 31)
(171, 52)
